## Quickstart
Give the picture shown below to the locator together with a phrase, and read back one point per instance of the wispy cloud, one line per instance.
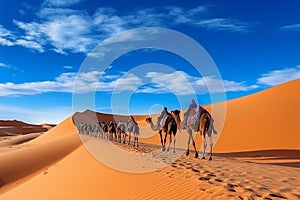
(63, 30)
(224, 24)
(291, 27)
(83, 82)
(178, 83)
(68, 67)
(181, 83)
(276, 77)
(6, 37)
(7, 66)
(60, 3)
(4, 65)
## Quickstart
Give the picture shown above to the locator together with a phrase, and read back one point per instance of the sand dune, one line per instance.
(266, 120)
(14, 127)
(56, 165)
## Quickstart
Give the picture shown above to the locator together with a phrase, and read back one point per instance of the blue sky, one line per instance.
(254, 44)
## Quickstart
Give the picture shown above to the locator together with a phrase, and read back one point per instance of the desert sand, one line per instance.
(14, 127)
(257, 156)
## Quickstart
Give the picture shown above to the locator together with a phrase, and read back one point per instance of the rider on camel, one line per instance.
(111, 124)
(192, 105)
(162, 115)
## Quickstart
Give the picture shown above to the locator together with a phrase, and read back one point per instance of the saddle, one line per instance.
(165, 120)
(193, 118)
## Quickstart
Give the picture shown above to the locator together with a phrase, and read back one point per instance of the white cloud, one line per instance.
(68, 67)
(65, 30)
(276, 77)
(4, 65)
(181, 83)
(178, 82)
(30, 44)
(107, 22)
(292, 27)
(129, 82)
(60, 3)
(6, 37)
(223, 24)
(7, 66)
(62, 31)
(84, 82)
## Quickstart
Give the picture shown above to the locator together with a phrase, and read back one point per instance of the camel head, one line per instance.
(176, 115)
(148, 120)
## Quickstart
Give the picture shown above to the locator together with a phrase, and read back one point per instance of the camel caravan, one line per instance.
(196, 119)
(113, 132)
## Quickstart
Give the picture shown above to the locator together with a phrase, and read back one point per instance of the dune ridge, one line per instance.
(29, 159)
(265, 120)
(15, 127)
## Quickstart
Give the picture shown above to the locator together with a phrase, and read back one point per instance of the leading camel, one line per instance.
(169, 128)
(204, 124)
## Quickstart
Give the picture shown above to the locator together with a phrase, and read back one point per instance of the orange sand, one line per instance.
(56, 165)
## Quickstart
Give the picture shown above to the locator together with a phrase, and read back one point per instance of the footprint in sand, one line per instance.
(195, 170)
(277, 195)
(204, 178)
(173, 165)
(231, 187)
(218, 180)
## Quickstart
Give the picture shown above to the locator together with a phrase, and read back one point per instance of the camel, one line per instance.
(169, 128)
(133, 127)
(112, 131)
(104, 130)
(121, 128)
(206, 127)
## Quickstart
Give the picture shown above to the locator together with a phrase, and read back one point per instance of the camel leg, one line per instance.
(165, 139)
(204, 147)
(129, 137)
(124, 138)
(189, 142)
(169, 132)
(137, 141)
(211, 146)
(174, 141)
(194, 144)
(161, 139)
